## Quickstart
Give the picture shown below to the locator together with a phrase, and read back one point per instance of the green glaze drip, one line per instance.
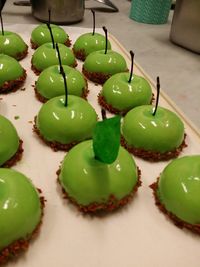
(11, 44)
(179, 188)
(41, 35)
(45, 56)
(91, 181)
(9, 140)
(122, 95)
(10, 69)
(111, 62)
(90, 43)
(50, 82)
(73, 123)
(160, 133)
(20, 209)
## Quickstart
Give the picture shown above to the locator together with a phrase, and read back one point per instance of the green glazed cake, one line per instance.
(118, 95)
(100, 66)
(46, 56)
(51, 84)
(177, 192)
(12, 75)
(88, 43)
(153, 138)
(10, 144)
(21, 210)
(93, 185)
(13, 45)
(41, 35)
(60, 126)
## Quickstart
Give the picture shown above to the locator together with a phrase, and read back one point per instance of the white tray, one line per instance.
(137, 235)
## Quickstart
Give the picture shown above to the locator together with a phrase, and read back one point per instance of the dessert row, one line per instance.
(106, 176)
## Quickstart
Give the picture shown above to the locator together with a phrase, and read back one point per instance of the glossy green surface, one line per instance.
(160, 133)
(11, 44)
(90, 43)
(91, 181)
(10, 69)
(179, 188)
(20, 208)
(50, 82)
(45, 56)
(41, 35)
(9, 140)
(123, 95)
(110, 63)
(66, 124)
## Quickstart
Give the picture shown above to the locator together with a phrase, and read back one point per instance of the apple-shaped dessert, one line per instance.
(10, 144)
(13, 45)
(153, 138)
(41, 35)
(101, 65)
(46, 56)
(51, 84)
(21, 210)
(124, 91)
(106, 176)
(12, 75)
(153, 133)
(60, 126)
(89, 42)
(177, 192)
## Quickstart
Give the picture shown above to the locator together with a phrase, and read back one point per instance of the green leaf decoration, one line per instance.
(106, 140)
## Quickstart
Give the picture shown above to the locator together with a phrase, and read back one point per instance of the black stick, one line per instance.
(1, 24)
(49, 18)
(93, 13)
(59, 58)
(106, 36)
(158, 94)
(132, 64)
(103, 114)
(52, 39)
(65, 84)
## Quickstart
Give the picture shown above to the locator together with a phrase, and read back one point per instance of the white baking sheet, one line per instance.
(137, 235)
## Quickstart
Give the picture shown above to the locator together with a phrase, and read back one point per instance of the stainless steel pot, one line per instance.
(62, 11)
(185, 29)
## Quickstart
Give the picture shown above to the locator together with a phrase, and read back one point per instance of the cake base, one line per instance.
(21, 245)
(23, 54)
(178, 222)
(14, 85)
(68, 43)
(18, 155)
(102, 102)
(80, 54)
(37, 72)
(151, 155)
(43, 99)
(96, 77)
(55, 146)
(112, 204)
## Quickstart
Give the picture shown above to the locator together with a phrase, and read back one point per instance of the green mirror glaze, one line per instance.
(179, 188)
(20, 208)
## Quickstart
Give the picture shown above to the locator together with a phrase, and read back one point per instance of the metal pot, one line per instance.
(62, 11)
(186, 24)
